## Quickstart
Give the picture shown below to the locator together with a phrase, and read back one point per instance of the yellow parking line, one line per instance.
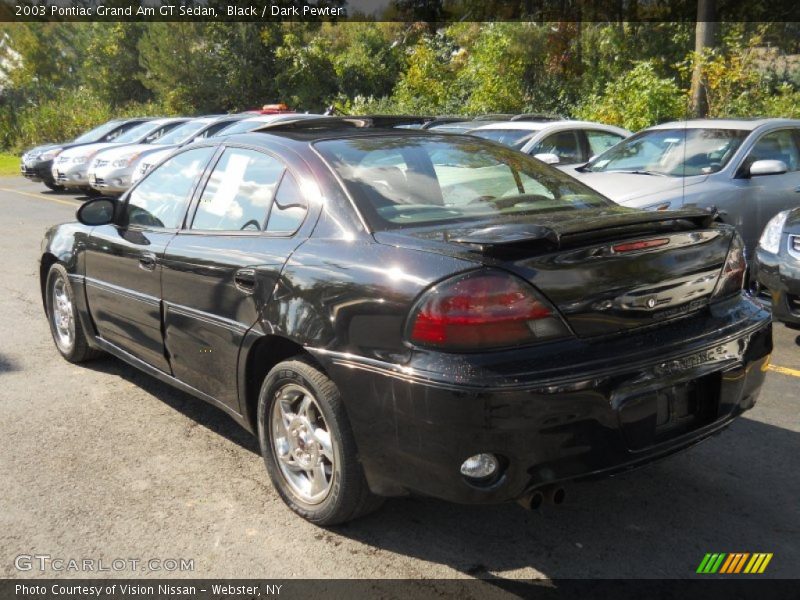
(784, 370)
(39, 197)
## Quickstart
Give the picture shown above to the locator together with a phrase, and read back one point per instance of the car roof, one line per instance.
(539, 125)
(743, 124)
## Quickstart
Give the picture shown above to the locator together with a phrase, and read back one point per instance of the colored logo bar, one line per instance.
(737, 562)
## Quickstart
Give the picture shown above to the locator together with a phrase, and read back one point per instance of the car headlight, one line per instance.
(125, 161)
(771, 237)
(79, 160)
(49, 155)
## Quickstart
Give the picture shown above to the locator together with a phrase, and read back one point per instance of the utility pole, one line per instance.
(705, 31)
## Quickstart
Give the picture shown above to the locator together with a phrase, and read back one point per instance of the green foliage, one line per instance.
(67, 115)
(61, 78)
(636, 99)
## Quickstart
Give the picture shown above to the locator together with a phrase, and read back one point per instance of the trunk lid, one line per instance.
(606, 270)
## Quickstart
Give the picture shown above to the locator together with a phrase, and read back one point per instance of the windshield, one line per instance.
(181, 134)
(138, 132)
(98, 133)
(404, 181)
(515, 138)
(241, 127)
(672, 152)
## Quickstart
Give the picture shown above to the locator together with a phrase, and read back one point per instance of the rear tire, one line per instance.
(62, 315)
(308, 446)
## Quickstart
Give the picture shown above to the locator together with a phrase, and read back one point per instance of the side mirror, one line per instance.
(768, 167)
(97, 211)
(548, 158)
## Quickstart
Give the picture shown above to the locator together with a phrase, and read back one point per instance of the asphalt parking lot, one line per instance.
(103, 462)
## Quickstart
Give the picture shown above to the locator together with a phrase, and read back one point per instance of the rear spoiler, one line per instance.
(499, 238)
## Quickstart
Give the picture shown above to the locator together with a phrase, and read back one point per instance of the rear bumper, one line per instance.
(780, 274)
(606, 416)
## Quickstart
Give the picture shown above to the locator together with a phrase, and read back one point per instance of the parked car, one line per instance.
(396, 311)
(745, 170)
(111, 170)
(36, 164)
(71, 168)
(556, 142)
(248, 123)
(778, 265)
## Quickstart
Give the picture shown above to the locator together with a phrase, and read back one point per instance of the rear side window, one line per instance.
(600, 141)
(410, 180)
(289, 208)
(160, 200)
(239, 192)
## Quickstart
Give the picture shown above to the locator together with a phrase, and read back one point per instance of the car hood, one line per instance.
(634, 190)
(122, 150)
(42, 148)
(87, 149)
(158, 155)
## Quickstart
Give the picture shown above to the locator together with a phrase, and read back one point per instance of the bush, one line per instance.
(63, 117)
(635, 100)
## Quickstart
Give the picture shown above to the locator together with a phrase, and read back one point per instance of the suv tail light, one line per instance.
(482, 310)
(731, 279)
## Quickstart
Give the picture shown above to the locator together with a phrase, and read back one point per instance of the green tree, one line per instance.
(111, 68)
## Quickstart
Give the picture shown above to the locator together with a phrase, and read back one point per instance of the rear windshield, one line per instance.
(515, 138)
(420, 180)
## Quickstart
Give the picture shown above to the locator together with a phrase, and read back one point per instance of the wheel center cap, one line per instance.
(305, 449)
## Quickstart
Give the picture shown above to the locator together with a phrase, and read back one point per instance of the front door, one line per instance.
(123, 261)
(222, 268)
(767, 195)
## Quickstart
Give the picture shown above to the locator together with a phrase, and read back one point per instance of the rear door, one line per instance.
(123, 261)
(221, 269)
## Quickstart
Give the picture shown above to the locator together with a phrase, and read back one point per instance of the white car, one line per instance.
(243, 125)
(561, 142)
(111, 170)
(71, 167)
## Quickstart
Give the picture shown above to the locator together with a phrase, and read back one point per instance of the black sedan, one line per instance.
(778, 265)
(36, 164)
(400, 312)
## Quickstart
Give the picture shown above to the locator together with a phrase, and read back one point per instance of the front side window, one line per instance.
(239, 192)
(563, 144)
(600, 141)
(416, 180)
(160, 199)
(673, 152)
(778, 145)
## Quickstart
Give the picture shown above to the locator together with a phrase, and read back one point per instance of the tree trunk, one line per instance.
(705, 30)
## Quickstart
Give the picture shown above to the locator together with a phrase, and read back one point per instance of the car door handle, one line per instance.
(147, 262)
(245, 280)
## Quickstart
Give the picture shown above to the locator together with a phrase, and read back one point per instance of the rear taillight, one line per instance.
(731, 279)
(481, 310)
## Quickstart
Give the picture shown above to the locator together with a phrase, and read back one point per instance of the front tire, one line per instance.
(62, 315)
(52, 185)
(308, 447)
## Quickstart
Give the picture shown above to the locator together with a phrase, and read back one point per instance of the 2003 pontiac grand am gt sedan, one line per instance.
(403, 312)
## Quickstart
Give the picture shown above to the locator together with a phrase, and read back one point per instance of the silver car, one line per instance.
(111, 171)
(71, 167)
(746, 170)
(556, 142)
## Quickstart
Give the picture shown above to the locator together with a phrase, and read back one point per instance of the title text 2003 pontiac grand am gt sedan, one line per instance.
(402, 312)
